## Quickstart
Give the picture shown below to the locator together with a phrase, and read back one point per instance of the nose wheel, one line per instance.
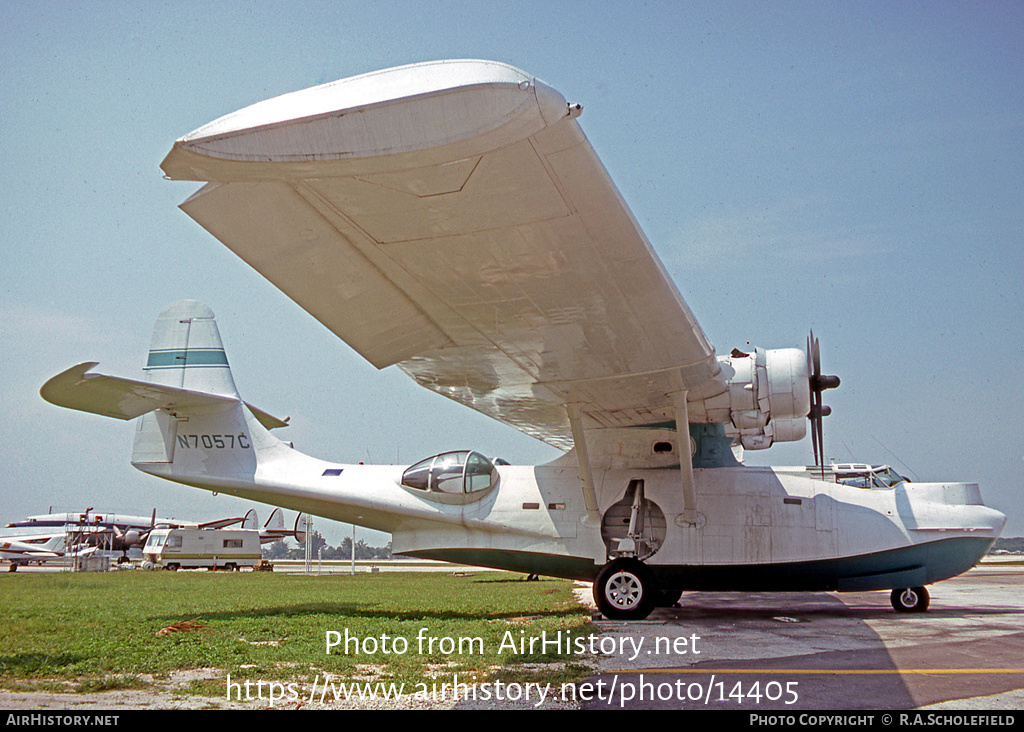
(624, 590)
(909, 600)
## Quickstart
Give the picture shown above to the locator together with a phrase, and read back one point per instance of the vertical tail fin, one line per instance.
(187, 352)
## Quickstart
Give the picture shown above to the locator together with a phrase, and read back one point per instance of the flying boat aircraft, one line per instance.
(451, 218)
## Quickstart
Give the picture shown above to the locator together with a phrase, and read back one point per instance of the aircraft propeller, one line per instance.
(818, 384)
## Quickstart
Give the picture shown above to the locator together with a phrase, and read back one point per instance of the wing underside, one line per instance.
(463, 230)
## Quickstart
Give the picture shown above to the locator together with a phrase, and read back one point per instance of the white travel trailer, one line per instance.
(194, 548)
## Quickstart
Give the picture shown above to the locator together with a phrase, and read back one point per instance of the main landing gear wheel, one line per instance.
(909, 600)
(624, 590)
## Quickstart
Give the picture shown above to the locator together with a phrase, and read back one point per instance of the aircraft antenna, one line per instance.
(896, 457)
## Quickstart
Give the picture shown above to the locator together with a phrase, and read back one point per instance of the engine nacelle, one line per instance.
(777, 430)
(131, 537)
(767, 399)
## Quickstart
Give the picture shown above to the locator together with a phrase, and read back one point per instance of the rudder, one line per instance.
(185, 352)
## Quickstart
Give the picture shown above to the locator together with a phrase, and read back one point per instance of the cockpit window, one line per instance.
(889, 476)
(478, 472)
(451, 472)
(864, 476)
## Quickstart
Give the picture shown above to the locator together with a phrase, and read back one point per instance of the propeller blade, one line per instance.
(818, 383)
(821, 435)
(817, 356)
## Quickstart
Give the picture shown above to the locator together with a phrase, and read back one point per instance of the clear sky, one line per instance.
(855, 168)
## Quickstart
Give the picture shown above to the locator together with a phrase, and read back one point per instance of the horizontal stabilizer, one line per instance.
(267, 420)
(113, 396)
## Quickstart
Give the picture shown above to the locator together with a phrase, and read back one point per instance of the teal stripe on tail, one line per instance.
(187, 352)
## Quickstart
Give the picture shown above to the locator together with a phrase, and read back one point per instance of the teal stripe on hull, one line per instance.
(910, 566)
(186, 358)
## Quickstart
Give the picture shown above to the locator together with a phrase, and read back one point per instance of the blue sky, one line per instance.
(855, 168)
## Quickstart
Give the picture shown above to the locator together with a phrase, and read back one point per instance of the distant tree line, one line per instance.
(282, 550)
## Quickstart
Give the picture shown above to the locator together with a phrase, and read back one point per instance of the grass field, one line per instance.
(96, 631)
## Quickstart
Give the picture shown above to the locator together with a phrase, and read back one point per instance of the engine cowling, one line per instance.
(131, 537)
(767, 397)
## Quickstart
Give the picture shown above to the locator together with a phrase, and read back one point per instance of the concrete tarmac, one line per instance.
(824, 651)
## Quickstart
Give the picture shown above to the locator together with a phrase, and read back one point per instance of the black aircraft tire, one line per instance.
(909, 599)
(624, 590)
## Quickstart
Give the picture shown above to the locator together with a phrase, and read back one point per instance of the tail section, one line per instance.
(208, 444)
(194, 428)
(186, 352)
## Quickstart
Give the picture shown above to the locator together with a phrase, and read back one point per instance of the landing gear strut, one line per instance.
(909, 600)
(624, 590)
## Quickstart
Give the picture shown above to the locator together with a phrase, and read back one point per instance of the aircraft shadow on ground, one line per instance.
(788, 618)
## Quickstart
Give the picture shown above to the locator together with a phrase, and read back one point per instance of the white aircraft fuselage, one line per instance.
(758, 528)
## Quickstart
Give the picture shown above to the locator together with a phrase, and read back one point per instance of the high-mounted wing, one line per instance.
(453, 219)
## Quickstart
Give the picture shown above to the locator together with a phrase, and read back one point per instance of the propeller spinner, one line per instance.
(818, 384)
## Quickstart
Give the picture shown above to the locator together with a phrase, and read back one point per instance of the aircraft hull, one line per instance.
(757, 529)
(912, 566)
(752, 528)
